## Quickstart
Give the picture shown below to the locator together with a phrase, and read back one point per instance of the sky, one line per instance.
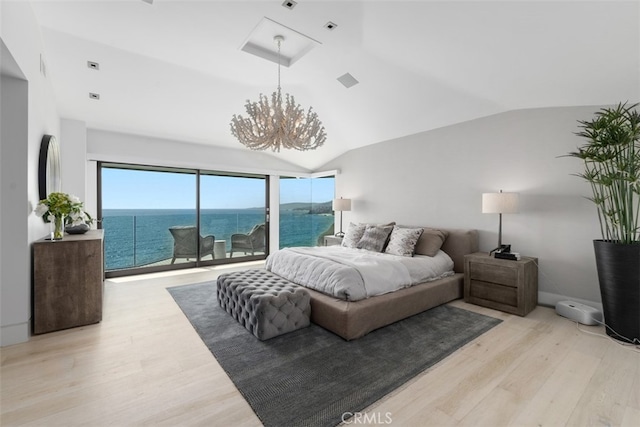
(135, 189)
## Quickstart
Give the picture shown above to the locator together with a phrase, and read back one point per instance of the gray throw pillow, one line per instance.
(403, 241)
(431, 241)
(375, 237)
(353, 235)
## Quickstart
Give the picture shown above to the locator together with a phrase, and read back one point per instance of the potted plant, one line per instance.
(60, 209)
(611, 158)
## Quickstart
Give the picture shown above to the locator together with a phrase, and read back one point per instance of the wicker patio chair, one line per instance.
(252, 242)
(184, 243)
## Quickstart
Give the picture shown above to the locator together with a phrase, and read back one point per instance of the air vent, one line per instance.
(330, 26)
(289, 4)
(93, 65)
(260, 43)
(94, 95)
(348, 80)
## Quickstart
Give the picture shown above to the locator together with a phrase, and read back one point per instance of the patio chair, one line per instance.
(184, 243)
(252, 242)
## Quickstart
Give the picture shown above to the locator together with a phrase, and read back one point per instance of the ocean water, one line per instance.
(137, 237)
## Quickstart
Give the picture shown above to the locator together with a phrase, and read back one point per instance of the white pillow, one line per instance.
(353, 235)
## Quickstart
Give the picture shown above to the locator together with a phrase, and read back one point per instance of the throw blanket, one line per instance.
(355, 274)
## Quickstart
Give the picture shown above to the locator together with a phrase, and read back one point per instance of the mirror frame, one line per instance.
(49, 167)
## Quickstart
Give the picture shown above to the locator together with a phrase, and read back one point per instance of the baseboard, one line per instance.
(14, 334)
(550, 300)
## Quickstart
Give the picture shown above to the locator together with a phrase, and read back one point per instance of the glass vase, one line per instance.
(57, 228)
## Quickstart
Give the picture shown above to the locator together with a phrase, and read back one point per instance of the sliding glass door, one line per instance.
(233, 210)
(139, 210)
(157, 218)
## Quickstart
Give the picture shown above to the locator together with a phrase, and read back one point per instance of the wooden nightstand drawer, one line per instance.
(506, 285)
(504, 275)
(494, 292)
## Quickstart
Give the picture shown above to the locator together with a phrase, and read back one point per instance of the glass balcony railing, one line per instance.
(140, 238)
(144, 239)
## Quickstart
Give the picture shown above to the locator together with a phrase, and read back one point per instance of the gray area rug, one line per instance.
(311, 377)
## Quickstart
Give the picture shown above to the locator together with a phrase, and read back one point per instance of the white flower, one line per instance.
(41, 209)
(62, 205)
(77, 218)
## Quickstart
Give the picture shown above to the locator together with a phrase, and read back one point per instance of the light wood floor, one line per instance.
(145, 365)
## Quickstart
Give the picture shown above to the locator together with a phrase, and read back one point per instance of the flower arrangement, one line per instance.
(60, 209)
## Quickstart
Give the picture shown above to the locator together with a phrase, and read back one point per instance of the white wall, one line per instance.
(14, 249)
(73, 154)
(437, 178)
(137, 149)
(21, 37)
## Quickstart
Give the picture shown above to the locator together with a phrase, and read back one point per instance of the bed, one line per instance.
(352, 316)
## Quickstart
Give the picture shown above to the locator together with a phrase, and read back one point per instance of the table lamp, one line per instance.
(340, 205)
(500, 203)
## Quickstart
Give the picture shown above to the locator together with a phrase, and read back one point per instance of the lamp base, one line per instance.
(505, 248)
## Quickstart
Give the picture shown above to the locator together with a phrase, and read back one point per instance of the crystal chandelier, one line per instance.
(278, 124)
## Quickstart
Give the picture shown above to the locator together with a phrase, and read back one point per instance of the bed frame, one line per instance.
(352, 320)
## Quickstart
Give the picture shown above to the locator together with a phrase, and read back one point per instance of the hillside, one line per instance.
(315, 208)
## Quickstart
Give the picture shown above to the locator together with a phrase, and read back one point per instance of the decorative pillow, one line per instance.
(430, 242)
(403, 241)
(375, 237)
(353, 235)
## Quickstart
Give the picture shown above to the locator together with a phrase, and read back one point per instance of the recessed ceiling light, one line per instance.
(289, 4)
(93, 65)
(330, 26)
(94, 95)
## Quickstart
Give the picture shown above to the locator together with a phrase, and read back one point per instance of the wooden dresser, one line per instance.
(68, 282)
(510, 286)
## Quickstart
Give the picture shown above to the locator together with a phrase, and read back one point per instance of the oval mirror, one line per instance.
(49, 167)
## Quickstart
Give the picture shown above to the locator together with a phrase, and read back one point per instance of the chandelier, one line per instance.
(278, 124)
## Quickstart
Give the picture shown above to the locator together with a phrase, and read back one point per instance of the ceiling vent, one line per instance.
(289, 4)
(93, 65)
(94, 95)
(330, 26)
(260, 43)
(348, 80)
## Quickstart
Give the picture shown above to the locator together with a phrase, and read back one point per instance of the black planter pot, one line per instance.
(619, 275)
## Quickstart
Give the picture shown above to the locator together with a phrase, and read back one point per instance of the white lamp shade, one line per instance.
(500, 202)
(341, 204)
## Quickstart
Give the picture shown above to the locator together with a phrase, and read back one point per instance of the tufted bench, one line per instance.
(264, 303)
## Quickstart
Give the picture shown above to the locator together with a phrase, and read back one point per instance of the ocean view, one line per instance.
(137, 237)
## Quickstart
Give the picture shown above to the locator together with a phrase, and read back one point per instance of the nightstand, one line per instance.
(332, 241)
(501, 284)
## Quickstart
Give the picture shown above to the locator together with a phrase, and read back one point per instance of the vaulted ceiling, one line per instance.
(175, 69)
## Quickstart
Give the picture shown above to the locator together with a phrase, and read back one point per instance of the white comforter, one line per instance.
(355, 274)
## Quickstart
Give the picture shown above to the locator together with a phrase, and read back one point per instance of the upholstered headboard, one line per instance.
(459, 243)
